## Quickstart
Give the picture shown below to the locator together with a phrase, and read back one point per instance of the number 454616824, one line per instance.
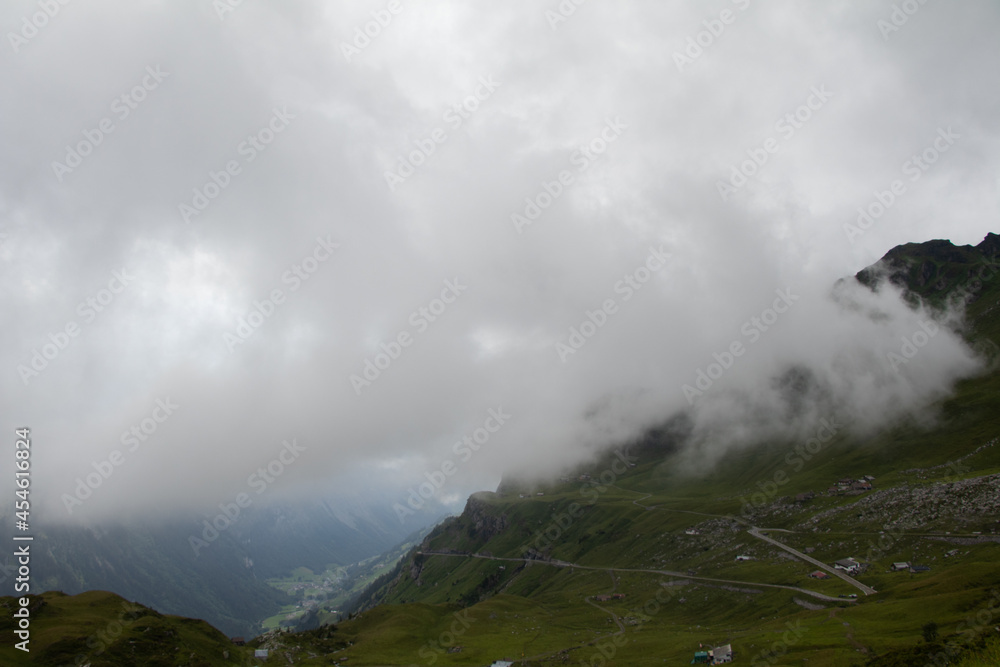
(22, 454)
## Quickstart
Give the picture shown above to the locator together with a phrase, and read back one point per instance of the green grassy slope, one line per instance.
(637, 565)
(104, 629)
(549, 611)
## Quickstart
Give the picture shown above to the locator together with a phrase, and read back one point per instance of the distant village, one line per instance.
(842, 487)
(851, 487)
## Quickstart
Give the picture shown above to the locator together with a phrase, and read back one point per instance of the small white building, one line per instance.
(722, 654)
(742, 558)
(901, 565)
(260, 653)
(502, 663)
(848, 565)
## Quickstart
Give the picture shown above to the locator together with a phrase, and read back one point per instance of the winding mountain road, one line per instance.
(756, 532)
(669, 573)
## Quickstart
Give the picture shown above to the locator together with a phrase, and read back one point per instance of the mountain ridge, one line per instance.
(635, 564)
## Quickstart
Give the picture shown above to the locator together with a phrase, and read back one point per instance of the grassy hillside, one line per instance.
(102, 628)
(631, 563)
(527, 569)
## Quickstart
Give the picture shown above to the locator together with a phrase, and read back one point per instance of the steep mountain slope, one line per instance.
(528, 567)
(222, 581)
(938, 272)
(631, 562)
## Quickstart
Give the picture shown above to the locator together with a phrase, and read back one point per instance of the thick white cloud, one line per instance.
(662, 137)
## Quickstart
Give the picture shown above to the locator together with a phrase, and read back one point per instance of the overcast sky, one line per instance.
(674, 169)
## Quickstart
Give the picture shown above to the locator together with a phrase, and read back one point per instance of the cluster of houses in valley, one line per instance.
(851, 566)
(848, 565)
(606, 598)
(842, 487)
(851, 487)
(714, 656)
